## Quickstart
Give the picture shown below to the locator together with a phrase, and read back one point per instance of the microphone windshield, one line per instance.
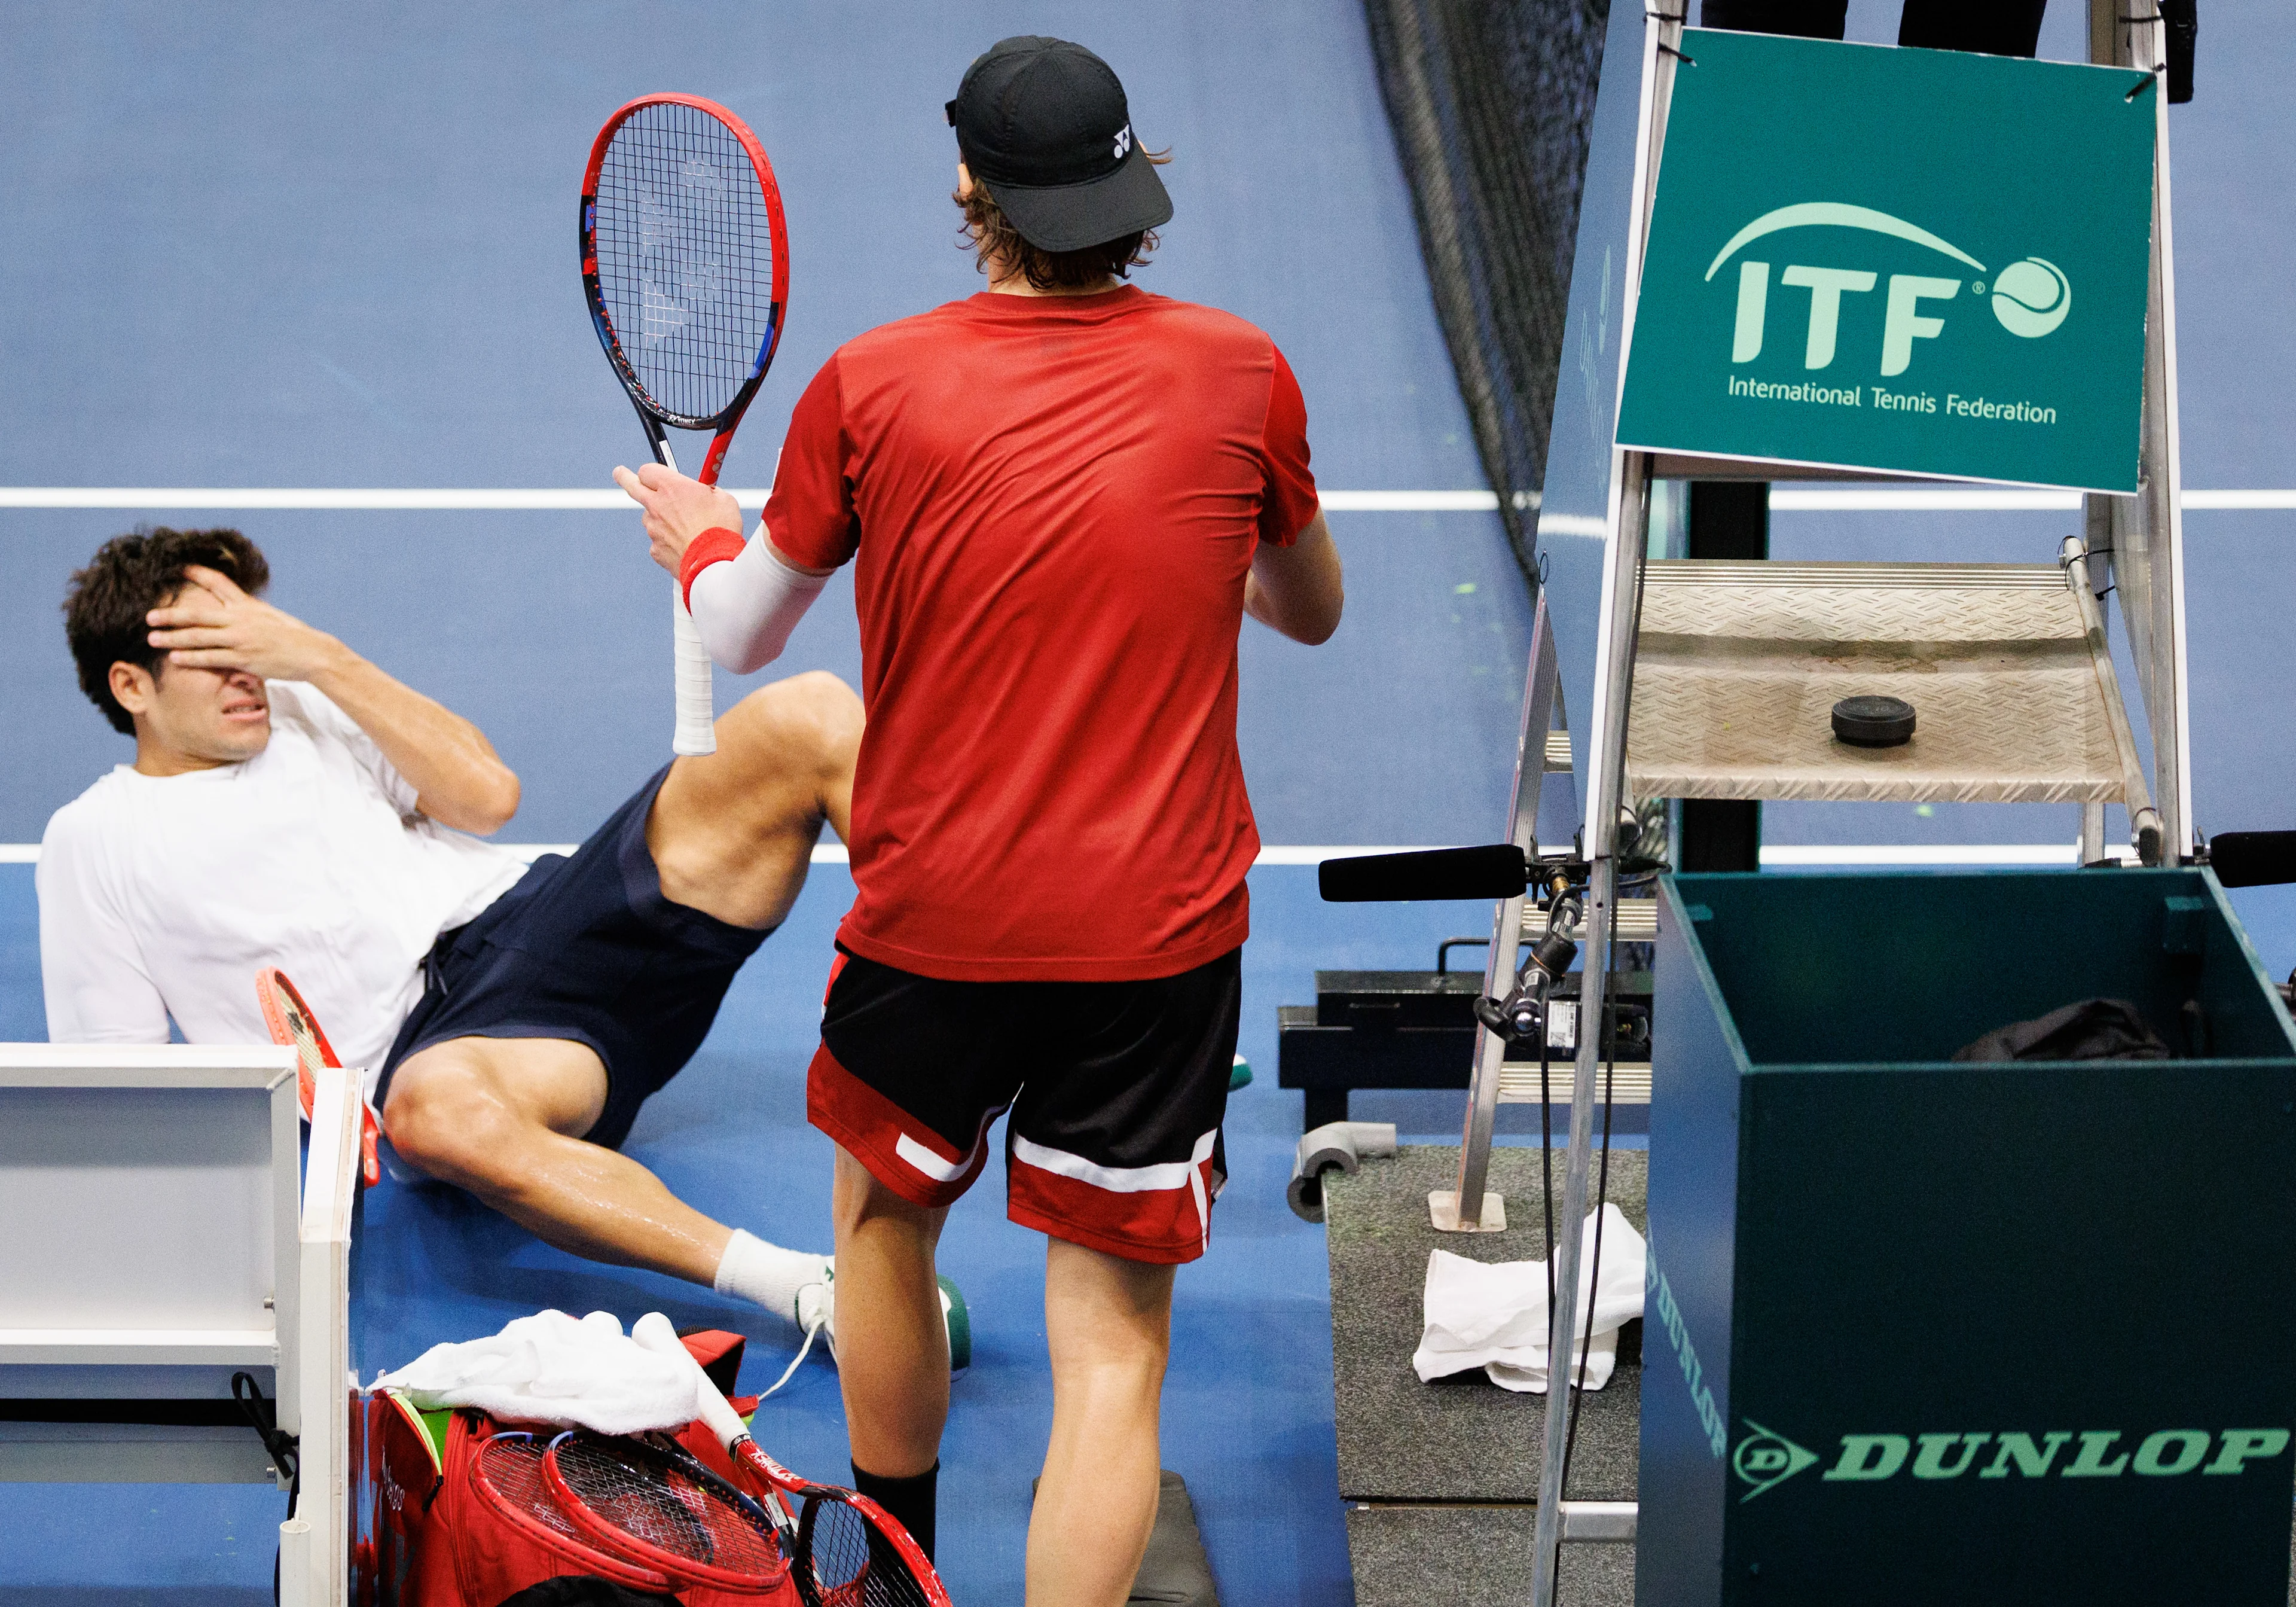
(1498, 871)
(2248, 859)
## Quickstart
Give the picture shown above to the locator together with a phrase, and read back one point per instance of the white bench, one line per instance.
(158, 1236)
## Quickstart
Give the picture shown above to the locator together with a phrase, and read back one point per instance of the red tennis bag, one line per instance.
(438, 1535)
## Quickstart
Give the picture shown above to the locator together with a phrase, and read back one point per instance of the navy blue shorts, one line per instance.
(585, 949)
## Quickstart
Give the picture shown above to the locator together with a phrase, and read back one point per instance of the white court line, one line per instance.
(1783, 855)
(450, 499)
(827, 853)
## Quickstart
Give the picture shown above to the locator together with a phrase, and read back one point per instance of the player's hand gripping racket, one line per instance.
(292, 1025)
(845, 1550)
(685, 262)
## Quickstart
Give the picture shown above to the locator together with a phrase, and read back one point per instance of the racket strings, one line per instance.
(849, 1563)
(675, 1511)
(512, 1464)
(685, 257)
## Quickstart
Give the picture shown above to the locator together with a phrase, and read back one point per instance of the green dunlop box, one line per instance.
(1928, 1332)
(1923, 261)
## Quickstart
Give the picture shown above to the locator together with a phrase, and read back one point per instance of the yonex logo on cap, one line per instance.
(1123, 141)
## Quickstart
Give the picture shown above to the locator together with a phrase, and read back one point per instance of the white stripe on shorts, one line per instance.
(1116, 1179)
(932, 1165)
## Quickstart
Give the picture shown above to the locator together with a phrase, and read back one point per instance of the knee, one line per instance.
(858, 1200)
(442, 1124)
(814, 719)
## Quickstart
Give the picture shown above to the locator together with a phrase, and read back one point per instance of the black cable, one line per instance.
(1594, 1271)
(1546, 1142)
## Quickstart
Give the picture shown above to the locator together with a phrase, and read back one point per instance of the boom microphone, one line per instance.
(2249, 859)
(1498, 871)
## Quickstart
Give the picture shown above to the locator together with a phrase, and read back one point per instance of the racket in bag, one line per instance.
(464, 1515)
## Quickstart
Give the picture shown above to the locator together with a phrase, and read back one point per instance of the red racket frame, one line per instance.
(746, 1451)
(603, 1561)
(649, 413)
(608, 1537)
(277, 996)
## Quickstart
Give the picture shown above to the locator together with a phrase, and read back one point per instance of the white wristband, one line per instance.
(746, 607)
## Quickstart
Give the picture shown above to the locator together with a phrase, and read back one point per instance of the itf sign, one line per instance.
(1926, 262)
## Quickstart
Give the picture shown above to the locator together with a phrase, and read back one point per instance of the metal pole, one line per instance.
(1606, 747)
(1462, 1210)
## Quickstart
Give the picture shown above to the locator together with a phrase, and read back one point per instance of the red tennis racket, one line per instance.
(663, 1510)
(508, 1475)
(292, 1025)
(686, 263)
(849, 1551)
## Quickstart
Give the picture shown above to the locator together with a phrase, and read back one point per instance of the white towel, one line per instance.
(1493, 1316)
(549, 1368)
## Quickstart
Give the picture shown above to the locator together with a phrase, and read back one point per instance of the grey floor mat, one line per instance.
(1472, 1556)
(1400, 1440)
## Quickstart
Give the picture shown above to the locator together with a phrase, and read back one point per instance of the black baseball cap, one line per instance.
(1043, 126)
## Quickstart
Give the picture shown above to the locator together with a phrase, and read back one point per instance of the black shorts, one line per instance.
(1117, 1091)
(584, 948)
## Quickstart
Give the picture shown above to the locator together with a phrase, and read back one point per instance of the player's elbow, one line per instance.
(498, 801)
(747, 658)
(1316, 625)
(483, 804)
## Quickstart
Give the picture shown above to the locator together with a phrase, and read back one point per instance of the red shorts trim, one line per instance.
(905, 1156)
(1117, 1092)
(1166, 1226)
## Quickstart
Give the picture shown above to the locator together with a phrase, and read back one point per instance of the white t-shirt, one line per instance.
(163, 896)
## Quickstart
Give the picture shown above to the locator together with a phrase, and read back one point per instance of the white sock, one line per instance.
(767, 1274)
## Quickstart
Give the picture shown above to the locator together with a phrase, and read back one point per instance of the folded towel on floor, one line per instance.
(1493, 1316)
(550, 1368)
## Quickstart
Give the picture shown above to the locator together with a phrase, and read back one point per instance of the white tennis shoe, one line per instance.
(816, 1312)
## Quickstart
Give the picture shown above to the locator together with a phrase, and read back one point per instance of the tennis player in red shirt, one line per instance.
(1060, 497)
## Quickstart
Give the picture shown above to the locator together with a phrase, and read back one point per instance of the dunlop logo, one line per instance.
(1766, 1458)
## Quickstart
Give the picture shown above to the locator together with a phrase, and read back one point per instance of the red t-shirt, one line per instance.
(1055, 501)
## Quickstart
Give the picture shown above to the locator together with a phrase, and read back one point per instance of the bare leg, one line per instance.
(1109, 1325)
(732, 832)
(503, 1117)
(892, 1349)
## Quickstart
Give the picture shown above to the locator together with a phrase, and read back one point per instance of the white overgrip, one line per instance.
(654, 1331)
(697, 710)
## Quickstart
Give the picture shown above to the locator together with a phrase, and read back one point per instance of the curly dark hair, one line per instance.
(131, 576)
(986, 232)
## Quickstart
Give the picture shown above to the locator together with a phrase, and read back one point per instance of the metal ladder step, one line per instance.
(1637, 921)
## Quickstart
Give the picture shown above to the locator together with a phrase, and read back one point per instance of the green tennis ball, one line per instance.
(2031, 298)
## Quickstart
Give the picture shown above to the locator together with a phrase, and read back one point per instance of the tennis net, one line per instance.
(1491, 101)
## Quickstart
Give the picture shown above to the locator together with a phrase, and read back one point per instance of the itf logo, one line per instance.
(1872, 305)
(2029, 297)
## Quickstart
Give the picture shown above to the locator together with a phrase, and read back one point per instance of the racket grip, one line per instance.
(654, 1331)
(697, 708)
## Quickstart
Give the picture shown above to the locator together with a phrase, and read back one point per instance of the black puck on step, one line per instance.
(1873, 722)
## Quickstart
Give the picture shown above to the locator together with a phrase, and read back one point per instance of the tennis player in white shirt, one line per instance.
(291, 805)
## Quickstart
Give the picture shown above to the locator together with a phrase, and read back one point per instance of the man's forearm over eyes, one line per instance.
(458, 779)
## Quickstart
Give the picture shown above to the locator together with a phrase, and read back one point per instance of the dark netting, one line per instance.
(1491, 101)
(685, 260)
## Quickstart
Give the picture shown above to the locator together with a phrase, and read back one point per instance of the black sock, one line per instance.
(910, 1500)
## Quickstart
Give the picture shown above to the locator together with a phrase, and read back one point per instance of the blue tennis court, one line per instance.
(276, 249)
